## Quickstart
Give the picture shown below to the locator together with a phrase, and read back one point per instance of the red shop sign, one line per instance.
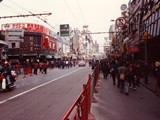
(134, 49)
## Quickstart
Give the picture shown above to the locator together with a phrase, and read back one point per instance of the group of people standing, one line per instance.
(35, 66)
(29, 67)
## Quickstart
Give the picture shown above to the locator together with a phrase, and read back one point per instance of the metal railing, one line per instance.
(80, 109)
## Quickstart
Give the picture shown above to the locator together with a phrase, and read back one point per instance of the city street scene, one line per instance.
(80, 60)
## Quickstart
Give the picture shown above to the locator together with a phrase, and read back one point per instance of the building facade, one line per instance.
(142, 34)
(150, 32)
(36, 41)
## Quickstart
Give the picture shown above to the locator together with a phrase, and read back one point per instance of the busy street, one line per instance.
(41, 92)
(43, 96)
(80, 60)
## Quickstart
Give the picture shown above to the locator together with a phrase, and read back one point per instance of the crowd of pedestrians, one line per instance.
(127, 74)
(35, 66)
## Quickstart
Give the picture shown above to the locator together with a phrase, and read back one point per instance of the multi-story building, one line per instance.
(144, 31)
(35, 41)
(3, 47)
(133, 40)
(118, 32)
(150, 30)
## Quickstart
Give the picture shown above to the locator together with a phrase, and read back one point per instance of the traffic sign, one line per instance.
(121, 21)
(123, 7)
(145, 36)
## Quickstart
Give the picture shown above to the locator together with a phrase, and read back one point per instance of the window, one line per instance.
(150, 20)
(31, 38)
(158, 29)
(156, 15)
(152, 29)
(153, 18)
(31, 48)
(155, 29)
(13, 45)
(147, 23)
(149, 30)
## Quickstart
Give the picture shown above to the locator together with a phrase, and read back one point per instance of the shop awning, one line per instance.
(134, 49)
(14, 55)
(56, 57)
(49, 56)
(3, 42)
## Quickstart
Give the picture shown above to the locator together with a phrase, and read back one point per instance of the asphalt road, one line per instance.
(43, 96)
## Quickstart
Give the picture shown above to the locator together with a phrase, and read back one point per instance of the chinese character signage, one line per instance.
(64, 30)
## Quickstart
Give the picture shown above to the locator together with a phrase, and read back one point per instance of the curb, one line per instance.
(147, 87)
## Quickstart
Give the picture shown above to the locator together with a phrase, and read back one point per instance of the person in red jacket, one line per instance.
(45, 67)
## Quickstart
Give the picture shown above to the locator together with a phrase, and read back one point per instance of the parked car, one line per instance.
(81, 63)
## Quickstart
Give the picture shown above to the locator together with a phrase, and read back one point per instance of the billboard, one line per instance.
(31, 27)
(64, 30)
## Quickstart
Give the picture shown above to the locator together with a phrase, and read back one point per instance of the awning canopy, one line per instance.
(49, 56)
(56, 57)
(3, 42)
(134, 49)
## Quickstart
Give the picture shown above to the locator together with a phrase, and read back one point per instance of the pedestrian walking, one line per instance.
(146, 72)
(45, 67)
(137, 73)
(67, 63)
(93, 64)
(35, 67)
(104, 68)
(17, 68)
(131, 76)
(157, 72)
(113, 71)
(123, 71)
(40, 67)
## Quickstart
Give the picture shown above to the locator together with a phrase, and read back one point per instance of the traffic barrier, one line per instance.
(80, 109)
(95, 78)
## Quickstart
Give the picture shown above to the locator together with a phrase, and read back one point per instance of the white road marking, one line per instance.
(15, 96)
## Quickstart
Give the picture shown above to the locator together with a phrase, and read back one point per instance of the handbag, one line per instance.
(3, 83)
(122, 76)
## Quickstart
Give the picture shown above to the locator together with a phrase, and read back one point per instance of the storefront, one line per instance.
(37, 41)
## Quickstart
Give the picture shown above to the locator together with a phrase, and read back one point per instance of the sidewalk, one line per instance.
(151, 83)
(98, 109)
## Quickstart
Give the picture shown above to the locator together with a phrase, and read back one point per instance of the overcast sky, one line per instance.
(97, 14)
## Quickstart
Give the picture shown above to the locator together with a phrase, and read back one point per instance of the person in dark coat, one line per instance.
(123, 71)
(113, 71)
(105, 69)
(45, 67)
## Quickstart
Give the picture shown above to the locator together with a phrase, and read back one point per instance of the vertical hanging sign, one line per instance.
(64, 30)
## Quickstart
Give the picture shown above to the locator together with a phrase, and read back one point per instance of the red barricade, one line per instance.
(81, 107)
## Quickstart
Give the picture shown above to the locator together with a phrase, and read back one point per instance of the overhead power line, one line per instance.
(81, 11)
(4, 17)
(97, 32)
(10, 8)
(33, 14)
(71, 11)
